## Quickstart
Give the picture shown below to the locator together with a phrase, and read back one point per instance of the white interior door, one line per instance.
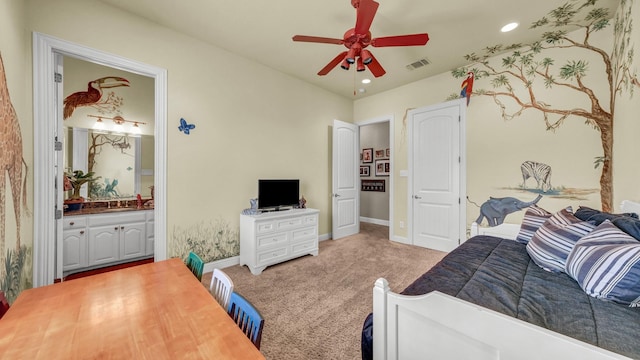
(346, 180)
(437, 177)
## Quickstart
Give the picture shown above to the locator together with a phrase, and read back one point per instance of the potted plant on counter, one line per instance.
(74, 181)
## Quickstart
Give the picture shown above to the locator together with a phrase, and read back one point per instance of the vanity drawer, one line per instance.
(123, 218)
(74, 222)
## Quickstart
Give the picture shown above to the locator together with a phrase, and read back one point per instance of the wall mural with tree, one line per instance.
(523, 66)
(16, 273)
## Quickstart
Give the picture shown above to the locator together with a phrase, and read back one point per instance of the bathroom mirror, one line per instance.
(108, 127)
(123, 163)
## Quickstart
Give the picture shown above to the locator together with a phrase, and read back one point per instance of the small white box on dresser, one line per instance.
(271, 238)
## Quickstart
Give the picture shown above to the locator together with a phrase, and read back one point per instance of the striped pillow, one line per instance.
(554, 240)
(534, 217)
(606, 265)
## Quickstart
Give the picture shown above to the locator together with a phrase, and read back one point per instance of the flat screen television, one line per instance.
(278, 194)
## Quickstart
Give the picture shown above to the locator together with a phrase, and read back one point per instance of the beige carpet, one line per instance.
(314, 306)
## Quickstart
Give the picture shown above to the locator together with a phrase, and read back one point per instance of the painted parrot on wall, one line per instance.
(467, 87)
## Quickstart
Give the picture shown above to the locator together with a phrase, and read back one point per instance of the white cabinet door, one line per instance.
(133, 240)
(104, 244)
(74, 245)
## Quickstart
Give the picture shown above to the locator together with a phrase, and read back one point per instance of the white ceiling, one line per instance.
(262, 31)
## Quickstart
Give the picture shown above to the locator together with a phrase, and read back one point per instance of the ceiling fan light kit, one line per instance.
(358, 38)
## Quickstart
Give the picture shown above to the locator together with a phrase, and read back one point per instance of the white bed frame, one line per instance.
(439, 326)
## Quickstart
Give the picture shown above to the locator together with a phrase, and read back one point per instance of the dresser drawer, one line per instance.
(310, 220)
(304, 247)
(304, 234)
(265, 226)
(74, 222)
(268, 241)
(272, 256)
(291, 223)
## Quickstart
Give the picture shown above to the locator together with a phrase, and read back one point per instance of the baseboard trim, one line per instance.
(401, 239)
(324, 237)
(221, 264)
(374, 221)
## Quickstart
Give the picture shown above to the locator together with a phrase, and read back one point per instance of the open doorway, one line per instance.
(376, 206)
(48, 173)
(374, 173)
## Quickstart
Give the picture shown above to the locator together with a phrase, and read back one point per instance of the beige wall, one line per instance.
(496, 147)
(252, 122)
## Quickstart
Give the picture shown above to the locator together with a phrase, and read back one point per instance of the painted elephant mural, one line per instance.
(496, 209)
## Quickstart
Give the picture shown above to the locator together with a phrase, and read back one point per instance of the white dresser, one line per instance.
(271, 238)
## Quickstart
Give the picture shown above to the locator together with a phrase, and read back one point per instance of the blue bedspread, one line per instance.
(498, 274)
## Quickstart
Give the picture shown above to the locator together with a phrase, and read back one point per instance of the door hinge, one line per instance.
(58, 146)
(459, 159)
(459, 201)
(57, 77)
(58, 214)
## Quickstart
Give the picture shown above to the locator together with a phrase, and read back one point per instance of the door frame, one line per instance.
(391, 120)
(45, 48)
(462, 104)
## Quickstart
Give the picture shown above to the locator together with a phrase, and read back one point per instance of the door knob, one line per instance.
(417, 197)
(336, 195)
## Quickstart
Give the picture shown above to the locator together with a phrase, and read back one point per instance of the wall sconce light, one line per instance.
(118, 125)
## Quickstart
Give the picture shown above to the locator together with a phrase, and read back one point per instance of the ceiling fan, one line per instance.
(358, 38)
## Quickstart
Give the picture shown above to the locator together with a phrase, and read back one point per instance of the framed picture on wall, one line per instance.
(367, 155)
(379, 154)
(365, 170)
(382, 167)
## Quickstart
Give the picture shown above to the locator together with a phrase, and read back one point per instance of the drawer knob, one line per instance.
(72, 223)
(82, 232)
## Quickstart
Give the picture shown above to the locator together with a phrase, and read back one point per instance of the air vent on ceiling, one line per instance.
(418, 64)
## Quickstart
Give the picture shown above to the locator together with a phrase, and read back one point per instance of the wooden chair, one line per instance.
(247, 317)
(221, 288)
(195, 264)
(4, 304)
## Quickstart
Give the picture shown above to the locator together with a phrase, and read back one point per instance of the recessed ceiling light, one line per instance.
(509, 27)
(366, 81)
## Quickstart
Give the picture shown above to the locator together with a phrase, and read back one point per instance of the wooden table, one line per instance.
(153, 311)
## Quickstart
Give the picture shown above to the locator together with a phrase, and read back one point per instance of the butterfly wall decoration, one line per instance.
(184, 127)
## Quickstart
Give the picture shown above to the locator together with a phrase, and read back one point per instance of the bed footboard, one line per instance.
(439, 326)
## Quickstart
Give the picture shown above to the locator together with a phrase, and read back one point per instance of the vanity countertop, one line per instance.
(102, 210)
(110, 206)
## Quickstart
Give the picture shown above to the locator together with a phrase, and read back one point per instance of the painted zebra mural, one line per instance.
(539, 171)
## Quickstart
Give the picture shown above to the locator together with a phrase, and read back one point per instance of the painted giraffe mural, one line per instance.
(11, 160)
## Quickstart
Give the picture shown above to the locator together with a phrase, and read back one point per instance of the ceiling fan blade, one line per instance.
(317, 39)
(366, 11)
(375, 67)
(337, 60)
(401, 40)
